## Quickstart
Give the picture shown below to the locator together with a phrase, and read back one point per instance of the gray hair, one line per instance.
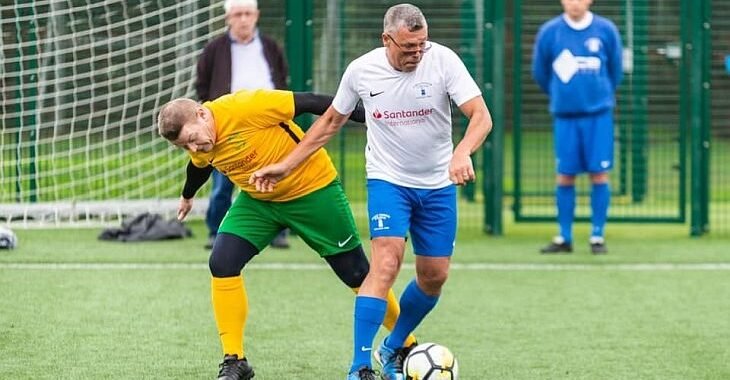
(173, 115)
(404, 15)
(228, 4)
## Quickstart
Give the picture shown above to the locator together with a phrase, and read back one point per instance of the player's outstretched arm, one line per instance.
(195, 178)
(321, 131)
(307, 102)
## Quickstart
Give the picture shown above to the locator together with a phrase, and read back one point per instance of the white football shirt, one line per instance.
(408, 114)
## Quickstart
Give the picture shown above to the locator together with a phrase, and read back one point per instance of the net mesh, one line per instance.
(81, 82)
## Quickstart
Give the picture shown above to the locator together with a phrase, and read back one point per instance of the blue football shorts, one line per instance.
(584, 144)
(428, 214)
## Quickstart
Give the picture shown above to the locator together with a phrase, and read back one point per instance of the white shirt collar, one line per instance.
(233, 41)
(579, 25)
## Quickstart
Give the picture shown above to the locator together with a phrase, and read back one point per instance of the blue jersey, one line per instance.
(578, 69)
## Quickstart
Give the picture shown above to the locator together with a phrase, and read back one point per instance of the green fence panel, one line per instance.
(111, 64)
(719, 181)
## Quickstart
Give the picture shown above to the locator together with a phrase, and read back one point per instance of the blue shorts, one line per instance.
(584, 144)
(428, 214)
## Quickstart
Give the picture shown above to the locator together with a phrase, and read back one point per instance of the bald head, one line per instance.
(174, 115)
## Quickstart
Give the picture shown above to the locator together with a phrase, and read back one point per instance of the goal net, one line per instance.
(81, 84)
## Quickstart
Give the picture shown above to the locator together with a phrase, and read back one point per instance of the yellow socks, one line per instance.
(230, 306)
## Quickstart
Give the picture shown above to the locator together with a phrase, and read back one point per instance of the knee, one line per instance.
(353, 277)
(351, 267)
(229, 255)
(599, 178)
(565, 180)
(432, 279)
(386, 268)
(220, 267)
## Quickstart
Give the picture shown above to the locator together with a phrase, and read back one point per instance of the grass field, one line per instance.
(656, 307)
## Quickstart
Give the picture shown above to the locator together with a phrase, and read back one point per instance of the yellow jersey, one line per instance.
(255, 129)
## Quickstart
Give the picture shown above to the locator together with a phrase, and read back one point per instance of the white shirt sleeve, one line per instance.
(347, 96)
(459, 83)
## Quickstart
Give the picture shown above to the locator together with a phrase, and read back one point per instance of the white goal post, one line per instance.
(81, 82)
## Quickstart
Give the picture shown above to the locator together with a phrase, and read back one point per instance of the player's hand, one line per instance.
(184, 208)
(265, 178)
(461, 169)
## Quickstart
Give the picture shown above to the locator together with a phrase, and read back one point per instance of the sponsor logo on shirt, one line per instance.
(237, 140)
(403, 117)
(404, 114)
(593, 44)
(566, 65)
(242, 163)
(423, 90)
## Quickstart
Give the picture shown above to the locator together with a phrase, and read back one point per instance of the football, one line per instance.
(430, 361)
(8, 240)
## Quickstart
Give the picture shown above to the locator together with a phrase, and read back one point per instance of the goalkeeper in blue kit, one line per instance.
(577, 62)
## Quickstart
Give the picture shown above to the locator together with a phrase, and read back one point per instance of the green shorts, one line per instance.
(322, 219)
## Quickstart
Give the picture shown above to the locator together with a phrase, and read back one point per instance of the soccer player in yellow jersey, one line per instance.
(238, 134)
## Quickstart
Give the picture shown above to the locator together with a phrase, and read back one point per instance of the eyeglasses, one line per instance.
(411, 49)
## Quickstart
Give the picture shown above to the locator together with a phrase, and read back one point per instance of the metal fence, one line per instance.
(665, 171)
(673, 114)
(648, 176)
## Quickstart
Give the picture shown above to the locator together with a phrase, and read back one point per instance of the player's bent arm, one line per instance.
(318, 134)
(461, 168)
(195, 178)
(307, 102)
(480, 124)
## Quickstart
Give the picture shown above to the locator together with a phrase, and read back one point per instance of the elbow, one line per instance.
(488, 126)
(333, 121)
(331, 128)
(486, 130)
(485, 120)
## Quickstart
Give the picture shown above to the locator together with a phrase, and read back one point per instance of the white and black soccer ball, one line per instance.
(8, 240)
(430, 361)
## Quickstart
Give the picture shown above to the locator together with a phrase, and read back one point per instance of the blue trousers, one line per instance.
(220, 201)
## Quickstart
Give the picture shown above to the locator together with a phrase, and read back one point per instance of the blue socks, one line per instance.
(414, 305)
(600, 198)
(565, 198)
(369, 315)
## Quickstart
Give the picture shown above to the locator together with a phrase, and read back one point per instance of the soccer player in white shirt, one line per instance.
(412, 167)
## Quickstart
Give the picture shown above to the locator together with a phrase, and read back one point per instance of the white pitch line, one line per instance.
(646, 267)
